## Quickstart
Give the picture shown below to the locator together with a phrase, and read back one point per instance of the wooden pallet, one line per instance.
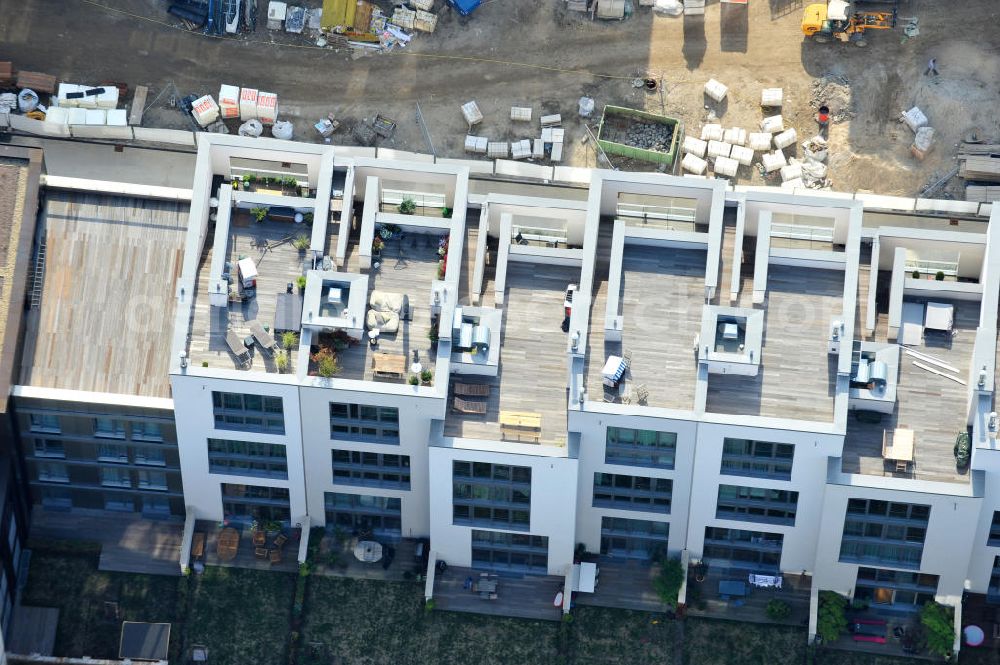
(982, 193)
(980, 167)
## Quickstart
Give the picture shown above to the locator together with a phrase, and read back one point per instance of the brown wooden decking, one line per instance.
(107, 308)
(532, 376)
(528, 597)
(706, 600)
(626, 585)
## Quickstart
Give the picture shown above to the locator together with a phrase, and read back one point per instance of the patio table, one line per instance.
(732, 588)
(228, 544)
(368, 551)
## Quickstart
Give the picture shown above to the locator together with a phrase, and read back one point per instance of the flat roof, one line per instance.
(105, 317)
(797, 377)
(662, 294)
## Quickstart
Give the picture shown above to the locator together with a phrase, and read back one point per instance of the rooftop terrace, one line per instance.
(532, 375)
(105, 317)
(662, 294)
(797, 377)
(933, 406)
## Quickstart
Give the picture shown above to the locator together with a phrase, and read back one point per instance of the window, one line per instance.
(113, 452)
(633, 539)
(152, 480)
(640, 447)
(116, 477)
(247, 458)
(993, 592)
(109, 428)
(756, 504)
(56, 498)
(146, 431)
(884, 532)
(49, 448)
(901, 589)
(155, 506)
(994, 537)
(354, 467)
(361, 422)
(632, 492)
(118, 502)
(491, 494)
(360, 513)
(150, 456)
(255, 502)
(520, 552)
(52, 472)
(757, 459)
(750, 550)
(41, 422)
(248, 413)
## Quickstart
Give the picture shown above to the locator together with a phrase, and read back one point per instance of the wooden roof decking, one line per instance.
(797, 378)
(107, 308)
(933, 406)
(532, 375)
(662, 295)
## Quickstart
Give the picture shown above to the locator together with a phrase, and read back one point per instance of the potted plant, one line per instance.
(259, 213)
(300, 282)
(426, 376)
(916, 274)
(281, 361)
(377, 246)
(326, 363)
(272, 527)
(446, 212)
(939, 275)
(939, 625)
(301, 242)
(414, 380)
(778, 610)
(289, 340)
(407, 206)
(962, 450)
(432, 334)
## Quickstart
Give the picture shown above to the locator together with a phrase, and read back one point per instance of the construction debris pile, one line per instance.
(254, 108)
(549, 143)
(833, 91)
(731, 148)
(641, 134)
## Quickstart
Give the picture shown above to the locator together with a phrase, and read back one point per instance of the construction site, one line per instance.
(892, 121)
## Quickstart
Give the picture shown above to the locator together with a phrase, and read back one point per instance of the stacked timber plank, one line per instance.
(979, 167)
(982, 193)
(37, 81)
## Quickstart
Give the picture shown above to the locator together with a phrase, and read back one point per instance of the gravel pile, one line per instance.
(642, 134)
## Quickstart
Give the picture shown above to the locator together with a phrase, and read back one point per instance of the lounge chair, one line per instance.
(468, 406)
(275, 556)
(263, 337)
(280, 540)
(236, 347)
(472, 389)
(260, 552)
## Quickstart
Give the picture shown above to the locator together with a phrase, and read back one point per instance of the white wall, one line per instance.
(415, 414)
(196, 424)
(553, 500)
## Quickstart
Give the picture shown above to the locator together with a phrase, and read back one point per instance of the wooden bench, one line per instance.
(198, 545)
(520, 426)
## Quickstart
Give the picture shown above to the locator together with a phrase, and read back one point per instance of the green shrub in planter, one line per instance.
(300, 281)
(962, 449)
(939, 625)
(939, 276)
(407, 206)
(426, 376)
(289, 340)
(778, 610)
(413, 380)
(668, 582)
(259, 213)
(916, 274)
(301, 242)
(832, 618)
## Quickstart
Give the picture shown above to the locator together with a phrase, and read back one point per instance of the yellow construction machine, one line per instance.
(839, 20)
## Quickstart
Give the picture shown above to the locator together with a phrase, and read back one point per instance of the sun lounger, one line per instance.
(468, 406)
(472, 389)
(263, 337)
(237, 348)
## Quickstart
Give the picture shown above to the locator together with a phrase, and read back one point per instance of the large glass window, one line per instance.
(109, 428)
(736, 548)
(49, 448)
(362, 422)
(756, 504)
(519, 552)
(152, 480)
(355, 467)
(113, 452)
(247, 458)
(150, 456)
(116, 477)
(491, 494)
(634, 539)
(632, 492)
(994, 537)
(884, 532)
(255, 502)
(146, 431)
(52, 472)
(640, 447)
(993, 592)
(248, 413)
(757, 459)
(361, 514)
(900, 589)
(41, 422)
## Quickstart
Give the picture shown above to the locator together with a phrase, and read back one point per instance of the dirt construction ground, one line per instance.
(536, 53)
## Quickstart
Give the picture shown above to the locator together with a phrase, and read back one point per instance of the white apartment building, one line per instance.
(768, 382)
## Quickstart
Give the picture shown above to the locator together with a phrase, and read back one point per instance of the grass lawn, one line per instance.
(716, 642)
(601, 635)
(241, 615)
(72, 583)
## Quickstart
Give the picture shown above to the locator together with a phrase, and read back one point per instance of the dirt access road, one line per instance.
(561, 56)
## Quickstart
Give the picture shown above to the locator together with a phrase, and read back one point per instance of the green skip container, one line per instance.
(614, 123)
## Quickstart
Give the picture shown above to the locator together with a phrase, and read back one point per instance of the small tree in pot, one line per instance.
(962, 450)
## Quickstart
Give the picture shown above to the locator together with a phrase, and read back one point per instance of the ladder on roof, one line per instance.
(38, 275)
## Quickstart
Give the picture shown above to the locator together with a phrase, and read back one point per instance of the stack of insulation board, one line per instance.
(726, 166)
(537, 148)
(735, 136)
(713, 132)
(773, 160)
(425, 21)
(522, 113)
(980, 167)
(520, 149)
(694, 7)
(404, 18)
(497, 150)
(248, 104)
(267, 107)
(558, 134)
(694, 164)
(772, 124)
(759, 141)
(88, 97)
(476, 144)
(205, 110)
(229, 101)
(742, 154)
(551, 120)
(714, 89)
(718, 149)
(471, 113)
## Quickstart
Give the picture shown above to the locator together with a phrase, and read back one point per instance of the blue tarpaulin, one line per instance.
(465, 7)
